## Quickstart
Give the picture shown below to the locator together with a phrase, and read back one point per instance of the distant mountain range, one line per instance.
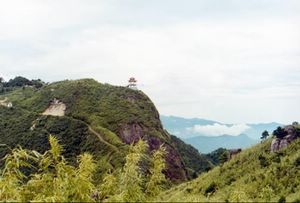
(209, 135)
(206, 144)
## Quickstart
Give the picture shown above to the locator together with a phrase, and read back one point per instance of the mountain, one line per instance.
(179, 126)
(208, 135)
(87, 116)
(257, 174)
(207, 144)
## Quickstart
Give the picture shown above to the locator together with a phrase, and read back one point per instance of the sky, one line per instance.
(234, 61)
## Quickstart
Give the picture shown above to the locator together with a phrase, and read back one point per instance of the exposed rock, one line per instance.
(131, 133)
(278, 144)
(6, 103)
(56, 108)
(173, 160)
(275, 145)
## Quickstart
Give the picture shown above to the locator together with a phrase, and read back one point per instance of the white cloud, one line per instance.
(219, 129)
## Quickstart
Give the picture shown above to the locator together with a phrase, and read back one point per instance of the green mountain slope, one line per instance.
(195, 162)
(256, 174)
(99, 118)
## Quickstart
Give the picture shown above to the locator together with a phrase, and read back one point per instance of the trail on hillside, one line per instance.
(101, 138)
(89, 128)
(98, 135)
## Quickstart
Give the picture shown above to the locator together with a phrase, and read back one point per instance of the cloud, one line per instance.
(219, 129)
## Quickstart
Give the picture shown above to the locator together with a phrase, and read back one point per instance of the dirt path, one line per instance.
(101, 138)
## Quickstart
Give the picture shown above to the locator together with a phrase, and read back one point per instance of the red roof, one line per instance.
(132, 79)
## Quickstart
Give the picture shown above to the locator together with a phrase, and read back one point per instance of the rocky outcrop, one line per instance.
(281, 143)
(6, 103)
(56, 108)
(131, 133)
(175, 167)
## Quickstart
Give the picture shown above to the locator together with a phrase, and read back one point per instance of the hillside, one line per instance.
(86, 116)
(255, 174)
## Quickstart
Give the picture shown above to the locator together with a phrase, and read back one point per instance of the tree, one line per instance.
(18, 82)
(279, 133)
(264, 135)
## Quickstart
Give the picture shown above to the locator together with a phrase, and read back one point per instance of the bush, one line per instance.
(263, 161)
(212, 188)
(282, 199)
(297, 162)
(279, 133)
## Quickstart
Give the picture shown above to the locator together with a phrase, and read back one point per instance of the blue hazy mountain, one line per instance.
(206, 144)
(207, 135)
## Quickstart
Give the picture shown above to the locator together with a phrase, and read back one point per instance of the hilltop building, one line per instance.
(132, 83)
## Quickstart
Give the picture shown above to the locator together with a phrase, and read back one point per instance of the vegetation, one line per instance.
(53, 179)
(279, 132)
(218, 156)
(97, 119)
(17, 82)
(194, 162)
(256, 174)
(113, 148)
(264, 135)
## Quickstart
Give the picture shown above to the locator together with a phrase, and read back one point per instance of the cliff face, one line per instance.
(102, 119)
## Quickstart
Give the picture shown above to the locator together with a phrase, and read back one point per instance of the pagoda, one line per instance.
(132, 83)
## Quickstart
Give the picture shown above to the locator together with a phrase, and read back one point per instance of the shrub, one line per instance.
(297, 162)
(212, 188)
(279, 133)
(282, 199)
(263, 161)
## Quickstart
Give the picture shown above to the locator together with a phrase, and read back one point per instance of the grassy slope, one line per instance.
(255, 174)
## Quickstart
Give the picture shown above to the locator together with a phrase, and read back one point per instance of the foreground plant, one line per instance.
(52, 179)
